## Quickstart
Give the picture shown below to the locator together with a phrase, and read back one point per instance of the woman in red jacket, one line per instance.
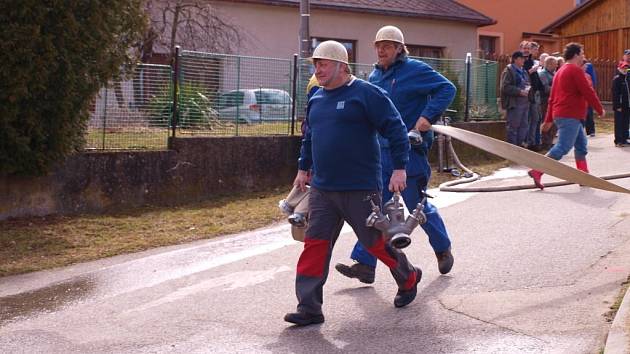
(571, 94)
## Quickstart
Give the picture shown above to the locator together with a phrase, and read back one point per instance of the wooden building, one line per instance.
(602, 26)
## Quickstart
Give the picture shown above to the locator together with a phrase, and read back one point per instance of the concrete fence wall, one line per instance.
(195, 169)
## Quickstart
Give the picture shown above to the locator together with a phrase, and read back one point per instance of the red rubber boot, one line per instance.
(581, 165)
(536, 175)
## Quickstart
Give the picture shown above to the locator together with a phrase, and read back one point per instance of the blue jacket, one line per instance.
(340, 143)
(416, 90)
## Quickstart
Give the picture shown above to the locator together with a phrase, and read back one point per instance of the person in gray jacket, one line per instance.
(514, 99)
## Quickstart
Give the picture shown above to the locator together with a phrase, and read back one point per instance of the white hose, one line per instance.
(524, 157)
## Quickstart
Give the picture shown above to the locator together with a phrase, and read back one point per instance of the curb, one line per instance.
(618, 341)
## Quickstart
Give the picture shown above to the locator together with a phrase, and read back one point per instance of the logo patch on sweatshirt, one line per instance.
(341, 104)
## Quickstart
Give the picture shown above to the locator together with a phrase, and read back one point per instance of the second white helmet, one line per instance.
(390, 33)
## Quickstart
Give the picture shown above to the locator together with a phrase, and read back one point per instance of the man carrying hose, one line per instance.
(421, 95)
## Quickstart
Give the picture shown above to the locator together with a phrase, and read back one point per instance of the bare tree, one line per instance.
(192, 24)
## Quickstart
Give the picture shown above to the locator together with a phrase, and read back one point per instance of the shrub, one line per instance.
(195, 109)
(56, 55)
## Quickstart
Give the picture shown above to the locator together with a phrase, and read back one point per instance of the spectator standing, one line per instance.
(546, 78)
(625, 60)
(531, 65)
(571, 93)
(589, 122)
(514, 99)
(621, 105)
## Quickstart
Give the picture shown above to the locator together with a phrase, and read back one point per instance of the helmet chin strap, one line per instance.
(336, 72)
(334, 75)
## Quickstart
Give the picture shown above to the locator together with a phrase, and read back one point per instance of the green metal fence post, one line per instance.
(467, 104)
(104, 119)
(294, 92)
(238, 87)
(176, 72)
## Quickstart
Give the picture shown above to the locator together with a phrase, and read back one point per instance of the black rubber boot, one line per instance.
(303, 318)
(405, 297)
(445, 261)
(360, 271)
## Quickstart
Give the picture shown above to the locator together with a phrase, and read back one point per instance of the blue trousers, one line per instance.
(419, 172)
(570, 136)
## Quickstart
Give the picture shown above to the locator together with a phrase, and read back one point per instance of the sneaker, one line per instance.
(536, 175)
(620, 145)
(405, 297)
(297, 219)
(303, 318)
(445, 261)
(363, 272)
(592, 135)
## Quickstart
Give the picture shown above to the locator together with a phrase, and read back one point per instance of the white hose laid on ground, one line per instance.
(523, 157)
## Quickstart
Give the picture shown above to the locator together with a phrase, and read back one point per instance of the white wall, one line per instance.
(272, 31)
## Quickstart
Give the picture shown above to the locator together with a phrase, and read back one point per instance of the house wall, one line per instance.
(272, 31)
(514, 18)
(603, 29)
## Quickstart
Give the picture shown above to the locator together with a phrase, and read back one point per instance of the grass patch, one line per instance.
(32, 244)
(610, 315)
(156, 138)
(605, 125)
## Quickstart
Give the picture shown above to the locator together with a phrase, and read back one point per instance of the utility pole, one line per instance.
(305, 40)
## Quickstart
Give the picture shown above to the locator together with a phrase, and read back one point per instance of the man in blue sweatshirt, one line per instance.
(421, 95)
(340, 157)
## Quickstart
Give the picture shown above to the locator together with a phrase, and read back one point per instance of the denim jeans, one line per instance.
(570, 135)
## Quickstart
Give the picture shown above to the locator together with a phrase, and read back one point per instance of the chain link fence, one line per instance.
(228, 95)
(134, 113)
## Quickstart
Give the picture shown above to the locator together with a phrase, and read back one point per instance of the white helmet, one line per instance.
(390, 33)
(331, 50)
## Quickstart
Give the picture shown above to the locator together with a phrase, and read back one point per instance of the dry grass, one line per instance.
(33, 244)
(39, 243)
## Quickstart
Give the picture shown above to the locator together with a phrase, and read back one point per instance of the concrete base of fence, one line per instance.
(195, 169)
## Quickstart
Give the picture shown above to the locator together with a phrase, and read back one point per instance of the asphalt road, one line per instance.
(535, 272)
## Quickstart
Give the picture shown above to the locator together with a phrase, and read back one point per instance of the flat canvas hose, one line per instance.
(528, 158)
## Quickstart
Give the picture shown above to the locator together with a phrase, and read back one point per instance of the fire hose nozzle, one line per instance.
(400, 241)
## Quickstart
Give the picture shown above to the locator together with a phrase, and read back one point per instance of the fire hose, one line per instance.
(520, 156)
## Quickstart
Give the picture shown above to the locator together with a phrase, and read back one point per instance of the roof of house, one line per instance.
(448, 10)
(568, 16)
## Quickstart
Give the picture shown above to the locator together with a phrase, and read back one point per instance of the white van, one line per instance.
(255, 105)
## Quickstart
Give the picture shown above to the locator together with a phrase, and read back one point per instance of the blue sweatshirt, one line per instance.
(341, 144)
(415, 88)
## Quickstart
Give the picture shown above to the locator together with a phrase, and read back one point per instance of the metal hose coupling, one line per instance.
(415, 137)
(395, 228)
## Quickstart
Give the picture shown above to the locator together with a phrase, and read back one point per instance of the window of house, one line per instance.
(351, 46)
(488, 45)
(425, 51)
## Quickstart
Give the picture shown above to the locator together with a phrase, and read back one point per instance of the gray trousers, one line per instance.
(534, 124)
(328, 210)
(517, 119)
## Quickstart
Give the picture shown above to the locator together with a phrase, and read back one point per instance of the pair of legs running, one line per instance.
(328, 211)
(420, 172)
